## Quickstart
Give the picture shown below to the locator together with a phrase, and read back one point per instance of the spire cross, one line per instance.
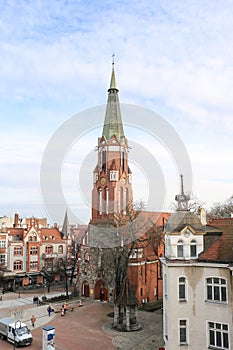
(113, 57)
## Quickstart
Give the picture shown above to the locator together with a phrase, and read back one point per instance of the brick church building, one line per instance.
(112, 204)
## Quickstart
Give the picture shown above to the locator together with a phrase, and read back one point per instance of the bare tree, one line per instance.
(49, 272)
(221, 209)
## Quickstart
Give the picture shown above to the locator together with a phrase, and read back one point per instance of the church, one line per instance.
(115, 223)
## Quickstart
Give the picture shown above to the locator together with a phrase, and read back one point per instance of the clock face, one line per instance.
(123, 181)
(102, 180)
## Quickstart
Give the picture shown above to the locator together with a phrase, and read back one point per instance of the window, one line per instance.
(182, 288)
(18, 250)
(95, 177)
(34, 251)
(18, 265)
(33, 265)
(216, 289)
(136, 253)
(140, 252)
(2, 244)
(107, 199)
(60, 249)
(218, 335)
(49, 249)
(193, 249)
(114, 175)
(103, 160)
(2, 258)
(133, 255)
(125, 196)
(100, 201)
(180, 250)
(183, 331)
(32, 237)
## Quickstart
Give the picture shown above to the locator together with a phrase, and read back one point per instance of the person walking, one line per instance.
(62, 311)
(33, 320)
(49, 309)
(65, 308)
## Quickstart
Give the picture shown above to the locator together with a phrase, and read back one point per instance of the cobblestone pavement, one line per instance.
(85, 328)
(148, 338)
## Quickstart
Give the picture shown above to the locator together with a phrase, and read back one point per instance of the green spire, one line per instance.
(113, 121)
(113, 79)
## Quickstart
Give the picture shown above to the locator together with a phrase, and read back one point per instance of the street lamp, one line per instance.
(15, 330)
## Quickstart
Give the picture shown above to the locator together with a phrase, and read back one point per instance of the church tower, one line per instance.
(112, 178)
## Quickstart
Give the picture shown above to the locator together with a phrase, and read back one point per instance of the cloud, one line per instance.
(173, 57)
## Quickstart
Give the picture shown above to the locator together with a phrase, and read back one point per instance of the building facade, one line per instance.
(28, 249)
(197, 282)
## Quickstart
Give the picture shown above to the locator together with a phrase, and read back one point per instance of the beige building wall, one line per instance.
(195, 309)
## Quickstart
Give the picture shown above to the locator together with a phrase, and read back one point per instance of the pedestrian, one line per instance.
(49, 309)
(62, 311)
(65, 308)
(33, 320)
(101, 295)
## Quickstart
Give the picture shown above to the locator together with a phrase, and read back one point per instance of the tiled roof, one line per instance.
(46, 234)
(15, 231)
(50, 233)
(221, 249)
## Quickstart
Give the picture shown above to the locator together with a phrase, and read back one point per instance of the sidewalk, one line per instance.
(89, 327)
(22, 308)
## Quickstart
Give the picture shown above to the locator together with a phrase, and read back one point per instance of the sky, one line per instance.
(173, 58)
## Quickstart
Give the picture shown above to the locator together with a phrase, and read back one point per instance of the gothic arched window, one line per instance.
(100, 201)
(107, 199)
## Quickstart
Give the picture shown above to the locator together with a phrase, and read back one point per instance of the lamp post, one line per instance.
(15, 330)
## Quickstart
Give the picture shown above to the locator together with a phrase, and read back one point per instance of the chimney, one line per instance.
(16, 220)
(202, 216)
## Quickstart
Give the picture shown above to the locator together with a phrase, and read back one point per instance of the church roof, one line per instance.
(113, 121)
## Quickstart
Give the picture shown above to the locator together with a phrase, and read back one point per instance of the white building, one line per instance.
(197, 281)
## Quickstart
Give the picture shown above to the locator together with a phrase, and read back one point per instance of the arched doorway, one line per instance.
(100, 291)
(85, 289)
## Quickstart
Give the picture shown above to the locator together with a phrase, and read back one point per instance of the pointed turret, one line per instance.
(113, 121)
(66, 226)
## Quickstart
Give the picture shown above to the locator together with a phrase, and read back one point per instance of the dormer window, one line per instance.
(180, 249)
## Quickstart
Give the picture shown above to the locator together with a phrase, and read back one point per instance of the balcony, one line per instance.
(49, 255)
